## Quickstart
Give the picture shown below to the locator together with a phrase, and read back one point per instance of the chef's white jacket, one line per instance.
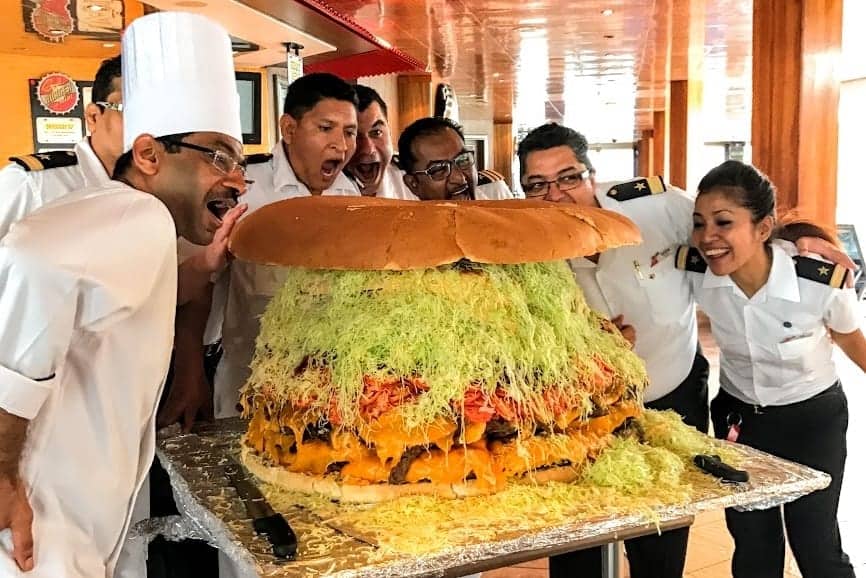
(86, 326)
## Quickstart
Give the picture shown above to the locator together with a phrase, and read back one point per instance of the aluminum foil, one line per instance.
(211, 510)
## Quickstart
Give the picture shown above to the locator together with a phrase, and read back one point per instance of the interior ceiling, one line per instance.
(603, 65)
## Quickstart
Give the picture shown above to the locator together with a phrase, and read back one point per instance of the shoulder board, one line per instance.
(259, 158)
(821, 272)
(488, 176)
(637, 188)
(46, 160)
(690, 259)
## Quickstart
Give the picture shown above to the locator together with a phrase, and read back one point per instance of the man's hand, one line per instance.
(626, 330)
(827, 250)
(189, 396)
(16, 514)
(216, 254)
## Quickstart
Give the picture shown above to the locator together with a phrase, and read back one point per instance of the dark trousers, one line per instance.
(657, 555)
(810, 432)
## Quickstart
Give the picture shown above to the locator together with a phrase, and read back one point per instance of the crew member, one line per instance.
(438, 165)
(775, 319)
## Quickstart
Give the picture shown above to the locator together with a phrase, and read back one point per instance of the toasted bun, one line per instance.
(374, 233)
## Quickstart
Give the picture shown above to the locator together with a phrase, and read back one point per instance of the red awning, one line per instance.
(373, 63)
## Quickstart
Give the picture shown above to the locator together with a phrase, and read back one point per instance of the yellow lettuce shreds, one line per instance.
(523, 328)
(666, 429)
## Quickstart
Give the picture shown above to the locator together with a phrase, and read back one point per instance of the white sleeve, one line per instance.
(842, 314)
(680, 207)
(37, 315)
(18, 195)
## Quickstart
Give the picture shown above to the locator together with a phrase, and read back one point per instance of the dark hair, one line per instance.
(367, 96)
(552, 135)
(422, 127)
(108, 71)
(746, 185)
(307, 91)
(124, 162)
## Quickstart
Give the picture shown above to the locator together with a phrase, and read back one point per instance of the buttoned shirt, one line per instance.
(251, 286)
(23, 191)
(774, 347)
(392, 185)
(86, 323)
(642, 284)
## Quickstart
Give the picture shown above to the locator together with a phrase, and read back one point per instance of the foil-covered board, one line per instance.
(334, 544)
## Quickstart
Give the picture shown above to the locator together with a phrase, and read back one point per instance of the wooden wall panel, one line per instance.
(795, 100)
(661, 143)
(645, 153)
(503, 150)
(414, 99)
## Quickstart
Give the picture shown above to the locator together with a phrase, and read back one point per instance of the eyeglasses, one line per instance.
(222, 161)
(565, 182)
(441, 170)
(117, 106)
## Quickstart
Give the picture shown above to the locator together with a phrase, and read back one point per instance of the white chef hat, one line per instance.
(178, 77)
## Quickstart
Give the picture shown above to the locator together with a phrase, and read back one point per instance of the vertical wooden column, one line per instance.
(686, 94)
(660, 143)
(503, 149)
(645, 154)
(795, 101)
(414, 99)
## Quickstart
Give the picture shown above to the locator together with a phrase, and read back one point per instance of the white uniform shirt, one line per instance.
(23, 191)
(392, 185)
(495, 191)
(250, 286)
(641, 283)
(86, 323)
(775, 348)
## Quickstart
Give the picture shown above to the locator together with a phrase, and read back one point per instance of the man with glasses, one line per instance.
(439, 166)
(34, 180)
(88, 301)
(638, 284)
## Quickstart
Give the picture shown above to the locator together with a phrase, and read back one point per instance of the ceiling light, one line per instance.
(533, 21)
(109, 44)
(96, 8)
(607, 12)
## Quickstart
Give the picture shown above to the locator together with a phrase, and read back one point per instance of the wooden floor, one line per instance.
(710, 545)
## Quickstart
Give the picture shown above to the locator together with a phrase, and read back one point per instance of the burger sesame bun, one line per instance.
(374, 233)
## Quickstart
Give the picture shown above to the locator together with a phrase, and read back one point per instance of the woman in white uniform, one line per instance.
(775, 318)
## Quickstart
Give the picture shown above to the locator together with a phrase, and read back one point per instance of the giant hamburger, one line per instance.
(431, 348)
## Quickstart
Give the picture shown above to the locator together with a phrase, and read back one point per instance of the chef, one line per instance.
(87, 307)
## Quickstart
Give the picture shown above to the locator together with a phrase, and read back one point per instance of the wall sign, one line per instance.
(54, 20)
(57, 104)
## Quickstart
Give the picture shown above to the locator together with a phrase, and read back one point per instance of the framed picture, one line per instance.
(250, 91)
(478, 145)
(280, 83)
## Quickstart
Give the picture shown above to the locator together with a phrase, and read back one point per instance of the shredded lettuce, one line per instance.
(523, 328)
(665, 429)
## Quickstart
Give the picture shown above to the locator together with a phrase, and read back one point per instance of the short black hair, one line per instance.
(552, 135)
(108, 71)
(420, 128)
(367, 96)
(307, 91)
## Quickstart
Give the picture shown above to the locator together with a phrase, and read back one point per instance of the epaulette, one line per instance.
(690, 259)
(637, 188)
(821, 272)
(488, 176)
(46, 160)
(259, 158)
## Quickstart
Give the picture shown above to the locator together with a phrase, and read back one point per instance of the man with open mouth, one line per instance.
(374, 167)
(438, 165)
